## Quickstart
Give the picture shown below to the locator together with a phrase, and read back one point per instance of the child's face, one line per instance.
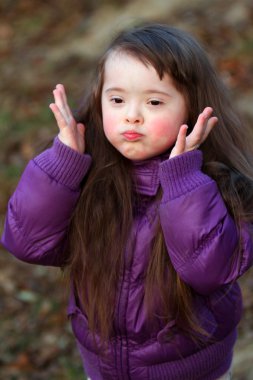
(142, 114)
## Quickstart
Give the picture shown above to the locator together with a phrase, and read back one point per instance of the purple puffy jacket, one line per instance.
(202, 242)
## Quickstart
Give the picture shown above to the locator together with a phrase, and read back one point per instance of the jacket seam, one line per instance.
(202, 245)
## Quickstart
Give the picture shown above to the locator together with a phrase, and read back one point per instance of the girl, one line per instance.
(145, 199)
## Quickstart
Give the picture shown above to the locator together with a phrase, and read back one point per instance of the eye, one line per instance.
(155, 102)
(116, 100)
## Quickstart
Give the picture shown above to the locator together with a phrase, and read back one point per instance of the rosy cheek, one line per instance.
(164, 133)
(108, 123)
(162, 129)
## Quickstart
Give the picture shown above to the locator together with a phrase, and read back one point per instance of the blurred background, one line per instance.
(43, 43)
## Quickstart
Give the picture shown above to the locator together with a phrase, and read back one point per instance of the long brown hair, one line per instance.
(101, 222)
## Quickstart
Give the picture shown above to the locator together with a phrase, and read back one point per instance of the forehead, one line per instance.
(121, 66)
(123, 59)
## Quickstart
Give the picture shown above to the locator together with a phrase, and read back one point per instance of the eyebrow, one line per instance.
(149, 91)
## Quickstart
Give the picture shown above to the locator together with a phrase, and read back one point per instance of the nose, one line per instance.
(134, 115)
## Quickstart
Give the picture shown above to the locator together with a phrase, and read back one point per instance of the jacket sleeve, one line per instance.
(41, 206)
(205, 246)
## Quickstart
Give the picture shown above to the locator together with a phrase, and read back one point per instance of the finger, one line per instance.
(202, 120)
(81, 129)
(60, 102)
(61, 88)
(180, 143)
(210, 124)
(61, 122)
(200, 130)
(64, 100)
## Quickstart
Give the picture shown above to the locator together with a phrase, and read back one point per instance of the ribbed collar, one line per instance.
(146, 176)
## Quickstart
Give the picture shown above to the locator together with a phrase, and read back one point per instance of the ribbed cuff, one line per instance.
(210, 363)
(64, 164)
(182, 174)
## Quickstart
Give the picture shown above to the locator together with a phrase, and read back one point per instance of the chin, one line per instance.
(137, 157)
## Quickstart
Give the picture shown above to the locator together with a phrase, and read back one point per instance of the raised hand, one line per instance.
(201, 130)
(71, 133)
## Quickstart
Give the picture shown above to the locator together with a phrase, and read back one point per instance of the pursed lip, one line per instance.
(132, 135)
